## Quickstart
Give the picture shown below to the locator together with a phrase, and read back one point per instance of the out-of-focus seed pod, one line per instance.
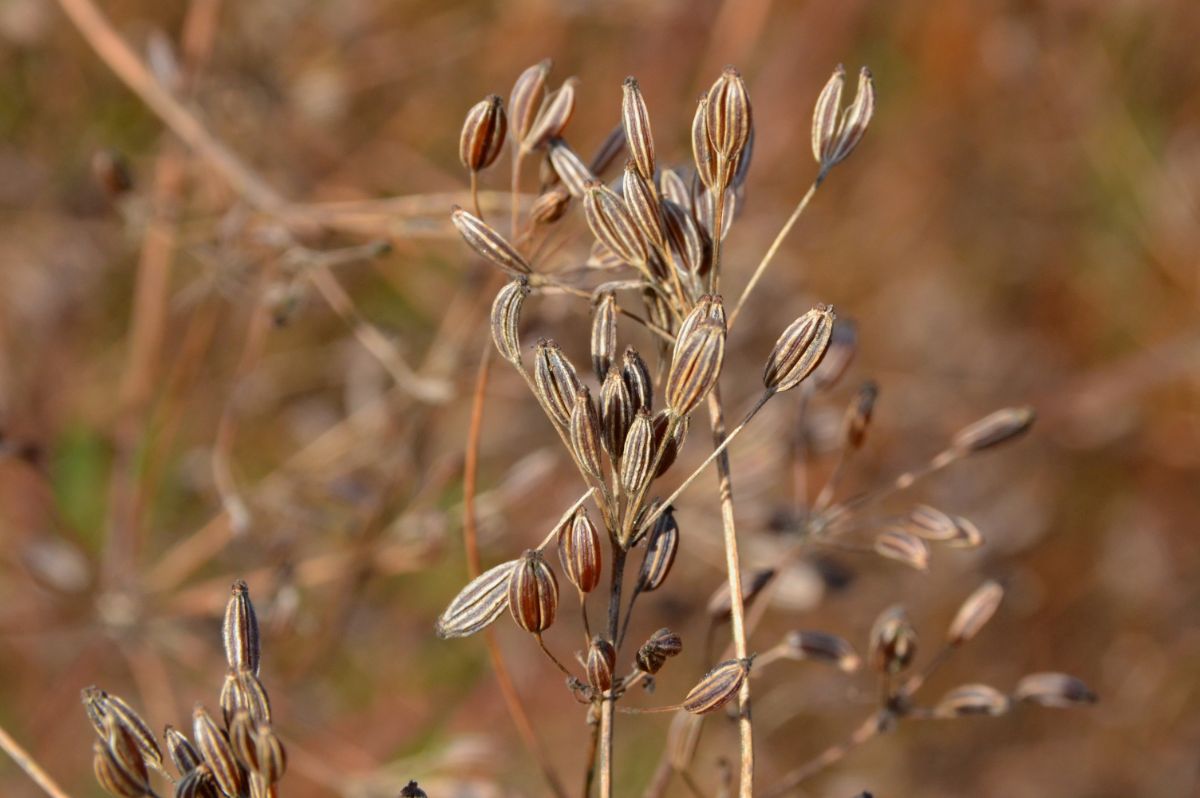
(533, 593)
(616, 414)
(570, 169)
(799, 350)
(604, 335)
(661, 646)
(821, 647)
(601, 660)
(412, 790)
(113, 778)
(993, 430)
(930, 523)
(488, 243)
(637, 380)
(635, 120)
(218, 755)
(742, 170)
(477, 604)
(182, 752)
(670, 447)
(112, 171)
(556, 381)
(843, 346)
(583, 432)
(893, 641)
(695, 367)
(580, 553)
(483, 134)
(719, 605)
(556, 112)
(506, 319)
(718, 686)
(550, 206)
(1059, 690)
(661, 546)
(197, 783)
(966, 534)
(902, 547)
(728, 118)
(526, 99)
(612, 224)
(638, 455)
(240, 630)
(975, 612)
(643, 206)
(858, 415)
(610, 149)
(972, 699)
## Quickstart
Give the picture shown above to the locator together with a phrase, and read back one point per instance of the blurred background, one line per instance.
(189, 394)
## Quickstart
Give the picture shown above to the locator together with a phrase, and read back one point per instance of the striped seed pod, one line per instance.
(197, 783)
(506, 319)
(654, 653)
(478, 604)
(616, 414)
(637, 379)
(526, 99)
(708, 308)
(799, 350)
(638, 455)
(604, 334)
(584, 434)
(930, 523)
(825, 116)
(643, 206)
(580, 553)
(570, 169)
(966, 534)
(994, 429)
(258, 748)
(182, 752)
(728, 118)
(858, 415)
(895, 544)
(553, 118)
(661, 548)
(533, 593)
(488, 243)
(252, 696)
(113, 777)
(972, 699)
(556, 382)
(550, 206)
(821, 647)
(843, 346)
(695, 367)
(691, 244)
(126, 753)
(1059, 690)
(100, 705)
(975, 612)
(635, 120)
(718, 686)
(893, 641)
(706, 209)
(612, 224)
(610, 149)
(670, 447)
(214, 746)
(240, 630)
(483, 134)
(601, 661)
(834, 141)
(671, 186)
(702, 150)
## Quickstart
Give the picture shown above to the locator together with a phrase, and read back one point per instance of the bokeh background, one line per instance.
(181, 404)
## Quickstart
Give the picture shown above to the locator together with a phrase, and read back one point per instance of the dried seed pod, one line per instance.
(930, 523)
(822, 647)
(858, 415)
(972, 699)
(488, 243)
(483, 134)
(903, 547)
(843, 346)
(213, 745)
(672, 187)
(126, 754)
(718, 686)
(975, 612)
(695, 367)
(643, 206)
(570, 169)
(412, 790)
(100, 705)
(635, 120)
(612, 224)
(601, 661)
(1059, 690)
(853, 124)
(113, 778)
(252, 696)
(719, 604)
(661, 646)
(702, 150)
(661, 547)
(993, 430)
(728, 118)
(506, 319)
(556, 381)
(240, 630)
(706, 209)
(637, 380)
(612, 148)
(691, 244)
(478, 604)
(670, 448)
(708, 308)
(182, 752)
(966, 534)
(580, 553)
(556, 112)
(550, 206)
(893, 641)
(604, 335)
(526, 99)
(258, 748)
(825, 116)
(584, 434)
(616, 413)
(197, 783)
(638, 455)
(533, 593)
(799, 349)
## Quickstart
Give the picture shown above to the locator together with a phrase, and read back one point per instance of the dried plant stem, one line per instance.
(869, 729)
(32, 769)
(770, 253)
(589, 772)
(607, 705)
(475, 194)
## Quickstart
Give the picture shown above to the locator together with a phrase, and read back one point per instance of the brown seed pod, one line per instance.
(709, 308)
(843, 346)
(483, 134)
(113, 778)
(643, 206)
(550, 206)
(526, 99)
(488, 243)
(616, 413)
(100, 705)
(893, 641)
(240, 630)
(637, 380)
(702, 150)
(967, 535)
(182, 752)
(691, 244)
(900, 546)
(1058, 690)
(612, 224)
(604, 334)
(258, 748)
(662, 420)
(799, 350)
(555, 114)
(825, 116)
(972, 699)
(126, 754)
(822, 647)
(728, 118)
(718, 686)
(197, 783)
(583, 431)
(672, 187)
(832, 146)
(975, 612)
(601, 660)
(661, 546)
(213, 745)
(654, 653)
(533, 593)
(610, 149)
(695, 367)
(994, 429)
(580, 553)
(506, 319)
(638, 455)
(556, 382)
(858, 415)
(478, 604)
(635, 120)
(570, 169)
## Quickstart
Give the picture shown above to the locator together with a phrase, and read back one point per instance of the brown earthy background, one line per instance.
(1020, 224)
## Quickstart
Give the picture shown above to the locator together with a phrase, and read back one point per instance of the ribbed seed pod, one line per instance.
(635, 120)
(637, 380)
(584, 434)
(252, 696)
(218, 755)
(931, 523)
(197, 783)
(604, 335)
(661, 548)
(822, 647)
(662, 420)
(706, 210)
(556, 381)
(101, 705)
(728, 118)
(258, 748)
(240, 630)
(550, 206)
(610, 149)
(638, 455)
(972, 699)
(570, 169)
(182, 752)
(580, 553)
(601, 661)
(843, 346)
(643, 206)
(708, 307)
(483, 134)
(858, 415)
(612, 224)
(672, 187)
(975, 612)
(702, 150)
(478, 604)
(555, 114)
(603, 258)
(126, 754)
(488, 243)
(893, 641)
(994, 429)
(695, 367)
(718, 686)
(616, 414)
(525, 102)
(533, 593)
(853, 124)
(1058, 690)
(825, 116)
(654, 653)
(687, 240)
(506, 319)
(900, 546)
(113, 778)
(799, 350)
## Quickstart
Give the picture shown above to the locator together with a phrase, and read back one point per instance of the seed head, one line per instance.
(555, 113)
(611, 223)
(637, 380)
(638, 455)
(533, 593)
(643, 206)
(604, 334)
(240, 630)
(616, 413)
(898, 545)
(113, 777)
(550, 206)
(572, 171)
(654, 653)
(822, 647)
(972, 699)
(584, 434)
(1059, 690)
(218, 754)
(975, 612)
(728, 118)
(695, 364)
(834, 139)
(182, 752)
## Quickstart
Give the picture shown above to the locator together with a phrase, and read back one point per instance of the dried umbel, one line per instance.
(488, 243)
(974, 613)
(834, 138)
(1058, 690)
(240, 630)
(821, 647)
(579, 551)
(506, 319)
(533, 593)
(972, 699)
(654, 653)
(601, 660)
(993, 430)
(893, 641)
(718, 686)
(483, 134)
(477, 604)
(799, 350)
